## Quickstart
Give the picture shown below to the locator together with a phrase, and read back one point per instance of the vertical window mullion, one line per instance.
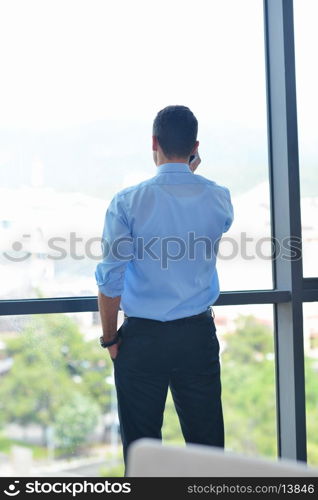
(286, 224)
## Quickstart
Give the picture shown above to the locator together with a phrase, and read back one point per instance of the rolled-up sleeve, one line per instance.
(117, 248)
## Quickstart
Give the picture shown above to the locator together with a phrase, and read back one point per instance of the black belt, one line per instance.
(209, 311)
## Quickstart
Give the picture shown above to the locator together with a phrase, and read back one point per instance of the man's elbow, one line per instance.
(107, 294)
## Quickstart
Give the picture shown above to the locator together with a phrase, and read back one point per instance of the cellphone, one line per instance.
(191, 158)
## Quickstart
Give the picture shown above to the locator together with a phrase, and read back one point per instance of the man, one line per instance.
(160, 241)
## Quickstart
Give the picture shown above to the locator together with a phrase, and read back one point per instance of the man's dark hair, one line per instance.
(176, 129)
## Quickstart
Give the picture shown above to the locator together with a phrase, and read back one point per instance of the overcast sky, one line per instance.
(66, 62)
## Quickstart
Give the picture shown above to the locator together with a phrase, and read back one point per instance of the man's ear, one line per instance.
(195, 148)
(154, 143)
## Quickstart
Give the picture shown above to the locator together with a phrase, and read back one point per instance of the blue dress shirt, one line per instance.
(160, 242)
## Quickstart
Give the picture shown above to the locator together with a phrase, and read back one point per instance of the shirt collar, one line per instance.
(174, 167)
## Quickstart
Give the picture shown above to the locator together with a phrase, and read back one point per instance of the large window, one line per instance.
(58, 401)
(306, 38)
(83, 82)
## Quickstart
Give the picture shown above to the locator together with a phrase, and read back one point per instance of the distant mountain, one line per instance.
(96, 158)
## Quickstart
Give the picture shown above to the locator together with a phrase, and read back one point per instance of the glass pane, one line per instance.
(245, 335)
(59, 405)
(310, 310)
(58, 412)
(76, 123)
(306, 37)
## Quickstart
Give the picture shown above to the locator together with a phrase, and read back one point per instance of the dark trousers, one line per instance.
(182, 354)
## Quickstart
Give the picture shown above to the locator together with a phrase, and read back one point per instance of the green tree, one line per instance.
(248, 387)
(52, 362)
(74, 421)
